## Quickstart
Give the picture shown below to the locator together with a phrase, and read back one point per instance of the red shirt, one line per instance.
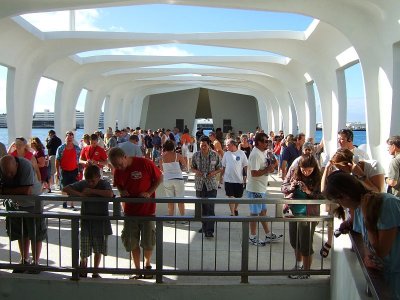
(135, 179)
(96, 153)
(185, 139)
(28, 154)
(68, 160)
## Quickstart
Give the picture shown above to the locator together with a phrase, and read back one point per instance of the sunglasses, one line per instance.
(69, 133)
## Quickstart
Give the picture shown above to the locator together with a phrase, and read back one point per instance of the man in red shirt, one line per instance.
(137, 177)
(67, 161)
(93, 154)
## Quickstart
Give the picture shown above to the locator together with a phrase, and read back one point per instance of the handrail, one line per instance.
(377, 287)
(243, 272)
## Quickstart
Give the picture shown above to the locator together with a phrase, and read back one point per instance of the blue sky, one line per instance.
(178, 19)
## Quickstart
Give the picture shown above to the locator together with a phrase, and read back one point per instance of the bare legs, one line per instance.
(253, 225)
(171, 209)
(24, 249)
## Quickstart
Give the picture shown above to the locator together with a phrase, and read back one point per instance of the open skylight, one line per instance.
(163, 18)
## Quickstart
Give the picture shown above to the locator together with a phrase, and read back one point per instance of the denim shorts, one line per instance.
(255, 209)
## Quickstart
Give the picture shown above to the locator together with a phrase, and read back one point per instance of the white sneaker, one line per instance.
(256, 242)
(272, 237)
(295, 276)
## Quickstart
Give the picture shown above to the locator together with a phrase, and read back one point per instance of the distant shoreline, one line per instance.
(357, 129)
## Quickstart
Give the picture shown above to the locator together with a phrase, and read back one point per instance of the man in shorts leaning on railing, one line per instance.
(137, 177)
(18, 178)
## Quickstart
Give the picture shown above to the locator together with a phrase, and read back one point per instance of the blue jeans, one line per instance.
(207, 209)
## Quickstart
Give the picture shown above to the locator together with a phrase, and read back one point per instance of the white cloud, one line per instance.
(59, 20)
(151, 51)
(85, 20)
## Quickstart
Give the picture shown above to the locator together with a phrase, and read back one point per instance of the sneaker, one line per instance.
(272, 237)
(303, 276)
(256, 242)
(209, 235)
(295, 276)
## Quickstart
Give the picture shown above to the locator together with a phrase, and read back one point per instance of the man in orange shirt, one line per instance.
(93, 154)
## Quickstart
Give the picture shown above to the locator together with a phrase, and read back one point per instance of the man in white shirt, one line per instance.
(345, 141)
(234, 163)
(257, 180)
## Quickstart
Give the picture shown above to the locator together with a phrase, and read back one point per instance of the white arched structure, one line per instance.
(366, 32)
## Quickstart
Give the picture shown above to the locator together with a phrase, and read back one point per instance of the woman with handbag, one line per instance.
(303, 182)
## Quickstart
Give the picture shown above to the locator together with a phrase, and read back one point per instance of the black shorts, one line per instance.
(68, 177)
(301, 235)
(234, 189)
(26, 227)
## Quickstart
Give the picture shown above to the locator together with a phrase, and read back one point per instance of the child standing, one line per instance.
(94, 233)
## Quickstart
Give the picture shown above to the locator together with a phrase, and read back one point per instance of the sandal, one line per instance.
(148, 276)
(324, 252)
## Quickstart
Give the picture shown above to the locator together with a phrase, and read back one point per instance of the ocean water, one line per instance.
(41, 133)
(359, 136)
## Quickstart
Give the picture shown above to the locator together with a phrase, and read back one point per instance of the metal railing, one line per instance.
(376, 284)
(227, 254)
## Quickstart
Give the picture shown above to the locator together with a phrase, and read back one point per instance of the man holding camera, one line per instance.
(206, 164)
(257, 181)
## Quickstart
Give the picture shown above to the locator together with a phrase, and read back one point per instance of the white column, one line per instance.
(92, 112)
(342, 97)
(293, 117)
(11, 116)
(108, 121)
(311, 109)
(58, 108)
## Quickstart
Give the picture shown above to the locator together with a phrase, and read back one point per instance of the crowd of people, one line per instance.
(140, 160)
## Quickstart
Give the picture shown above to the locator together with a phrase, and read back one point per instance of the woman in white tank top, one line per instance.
(170, 165)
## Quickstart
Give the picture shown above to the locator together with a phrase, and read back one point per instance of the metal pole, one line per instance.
(75, 247)
(245, 252)
(159, 253)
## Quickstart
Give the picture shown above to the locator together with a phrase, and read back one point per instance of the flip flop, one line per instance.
(324, 252)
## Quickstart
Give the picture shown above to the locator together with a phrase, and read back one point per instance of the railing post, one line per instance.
(159, 251)
(245, 252)
(116, 208)
(75, 247)
(197, 210)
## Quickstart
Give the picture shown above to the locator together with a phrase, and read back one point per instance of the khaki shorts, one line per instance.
(138, 231)
(52, 160)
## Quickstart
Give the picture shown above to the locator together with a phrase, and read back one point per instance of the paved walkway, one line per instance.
(184, 247)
